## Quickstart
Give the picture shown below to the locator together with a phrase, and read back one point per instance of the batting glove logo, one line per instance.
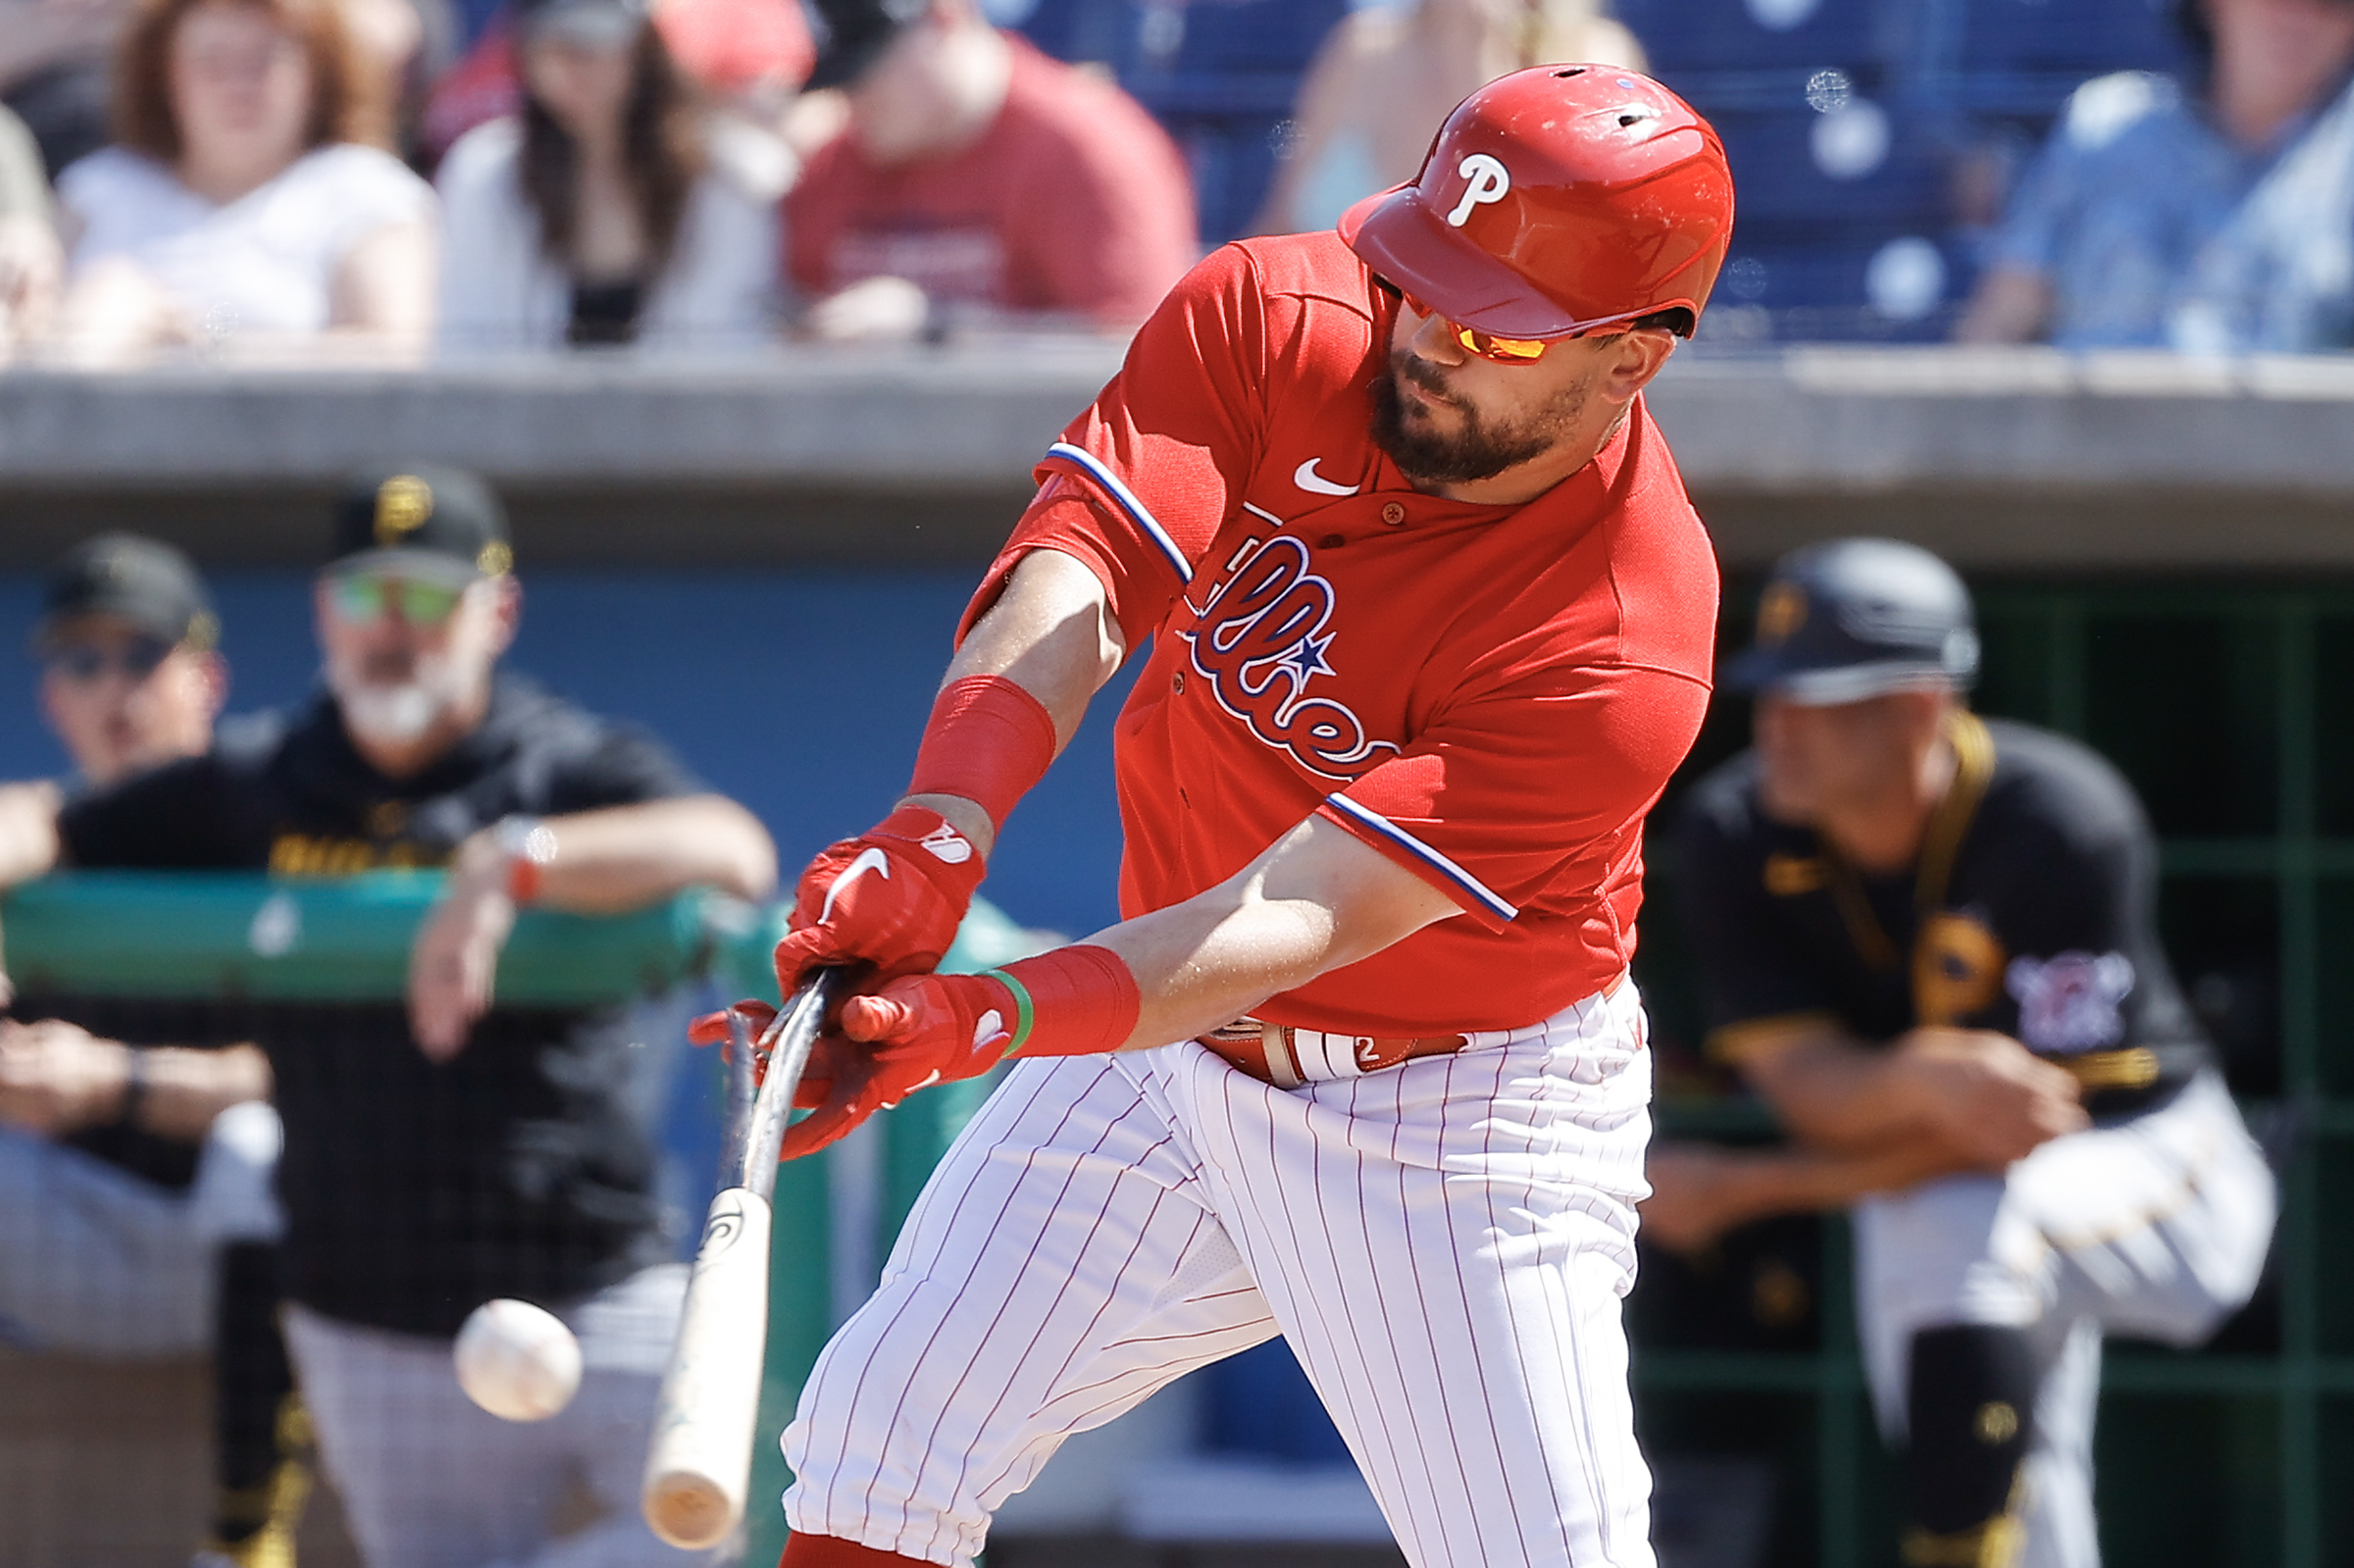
(873, 860)
(947, 843)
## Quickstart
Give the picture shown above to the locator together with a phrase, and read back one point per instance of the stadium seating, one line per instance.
(1845, 120)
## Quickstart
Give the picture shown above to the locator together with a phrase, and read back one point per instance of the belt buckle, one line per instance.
(1283, 1065)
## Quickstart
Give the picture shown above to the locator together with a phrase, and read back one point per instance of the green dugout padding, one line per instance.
(227, 936)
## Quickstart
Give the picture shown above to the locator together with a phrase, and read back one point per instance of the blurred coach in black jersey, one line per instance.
(450, 1152)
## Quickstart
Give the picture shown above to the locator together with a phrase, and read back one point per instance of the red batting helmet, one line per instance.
(1557, 200)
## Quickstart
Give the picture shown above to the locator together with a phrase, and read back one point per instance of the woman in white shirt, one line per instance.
(248, 205)
(607, 212)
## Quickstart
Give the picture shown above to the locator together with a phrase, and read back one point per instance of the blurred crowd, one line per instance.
(380, 180)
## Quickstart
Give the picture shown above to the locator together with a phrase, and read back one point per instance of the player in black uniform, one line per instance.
(1927, 940)
(449, 1151)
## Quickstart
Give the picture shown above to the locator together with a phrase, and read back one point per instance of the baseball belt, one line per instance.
(1287, 1057)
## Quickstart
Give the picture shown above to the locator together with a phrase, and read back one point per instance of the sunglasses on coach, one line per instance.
(82, 663)
(362, 597)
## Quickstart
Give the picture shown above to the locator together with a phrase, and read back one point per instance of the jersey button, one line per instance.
(1177, 681)
(1331, 542)
(1393, 514)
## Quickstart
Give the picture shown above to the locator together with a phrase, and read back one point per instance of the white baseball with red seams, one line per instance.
(1108, 1224)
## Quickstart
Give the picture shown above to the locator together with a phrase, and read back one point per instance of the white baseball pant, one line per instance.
(96, 1261)
(1446, 1243)
(429, 1480)
(2154, 1228)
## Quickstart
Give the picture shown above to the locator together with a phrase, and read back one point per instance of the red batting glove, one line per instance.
(826, 1054)
(934, 1028)
(891, 899)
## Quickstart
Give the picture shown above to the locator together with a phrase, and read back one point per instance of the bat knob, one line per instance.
(689, 1511)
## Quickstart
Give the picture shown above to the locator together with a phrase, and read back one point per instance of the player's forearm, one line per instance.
(1316, 900)
(184, 1089)
(1801, 1180)
(1836, 1094)
(627, 857)
(1052, 632)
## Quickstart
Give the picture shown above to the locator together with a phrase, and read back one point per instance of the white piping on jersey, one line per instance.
(1423, 851)
(1262, 512)
(1135, 508)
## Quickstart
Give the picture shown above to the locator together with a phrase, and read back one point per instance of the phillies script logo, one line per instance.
(1261, 641)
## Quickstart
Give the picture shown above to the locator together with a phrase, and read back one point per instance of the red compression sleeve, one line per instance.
(1073, 1001)
(988, 741)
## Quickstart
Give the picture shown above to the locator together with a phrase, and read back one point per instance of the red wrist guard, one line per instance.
(1072, 1001)
(988, 741)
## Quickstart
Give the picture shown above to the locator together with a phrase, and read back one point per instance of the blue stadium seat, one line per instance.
(1221, 74)
(2064, 37)
(1683, 36)
(1780, 185)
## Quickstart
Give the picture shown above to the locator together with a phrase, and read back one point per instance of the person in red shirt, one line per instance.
(978, 179)
(1431, 623)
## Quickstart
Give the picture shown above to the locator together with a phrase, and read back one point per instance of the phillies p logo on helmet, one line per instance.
(1489, 180)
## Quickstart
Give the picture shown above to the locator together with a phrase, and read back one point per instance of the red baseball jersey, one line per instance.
(1492, 696)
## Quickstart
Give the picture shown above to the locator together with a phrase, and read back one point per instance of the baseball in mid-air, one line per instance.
(517, 1361)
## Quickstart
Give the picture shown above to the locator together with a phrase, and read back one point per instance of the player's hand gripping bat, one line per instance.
(699, 1462)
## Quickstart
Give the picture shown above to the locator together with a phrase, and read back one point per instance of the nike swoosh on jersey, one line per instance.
(869, 859)
(1308, 480)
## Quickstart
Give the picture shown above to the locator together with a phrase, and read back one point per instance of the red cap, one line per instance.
(1557, 200)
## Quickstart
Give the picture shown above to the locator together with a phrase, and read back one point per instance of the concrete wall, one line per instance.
(2012, 459)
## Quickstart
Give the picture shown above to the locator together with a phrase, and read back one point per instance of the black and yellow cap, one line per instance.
(422, 520)
(1849, 619)
(133, 578)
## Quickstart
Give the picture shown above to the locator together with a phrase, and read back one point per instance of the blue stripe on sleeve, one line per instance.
(1126, 497)
(1423, 852)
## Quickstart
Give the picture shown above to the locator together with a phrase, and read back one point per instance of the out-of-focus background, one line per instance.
(2059, 289)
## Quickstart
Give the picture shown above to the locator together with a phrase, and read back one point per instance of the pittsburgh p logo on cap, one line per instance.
(1782, 611)
(1489, 180)
(402, 504)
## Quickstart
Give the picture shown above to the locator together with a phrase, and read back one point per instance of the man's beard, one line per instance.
(1478, 450)
(394, 702)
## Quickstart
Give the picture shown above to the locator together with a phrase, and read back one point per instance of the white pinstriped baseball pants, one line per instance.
(1446, 1243)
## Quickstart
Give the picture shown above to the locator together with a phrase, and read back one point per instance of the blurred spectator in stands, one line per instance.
(748, 57)
(452, 1151)
(2211, 222)
(978, 181)
(600, 213)
(1387, 72)
(31, 261)
(53, 71)
(248, 204)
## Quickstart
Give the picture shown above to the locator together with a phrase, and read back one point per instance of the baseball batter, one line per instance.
(1928, 941)
(1430, 623)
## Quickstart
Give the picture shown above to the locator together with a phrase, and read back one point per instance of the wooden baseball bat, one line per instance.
(699, 1463)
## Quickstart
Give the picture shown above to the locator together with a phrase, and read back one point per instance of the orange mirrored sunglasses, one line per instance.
(1487, 346)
